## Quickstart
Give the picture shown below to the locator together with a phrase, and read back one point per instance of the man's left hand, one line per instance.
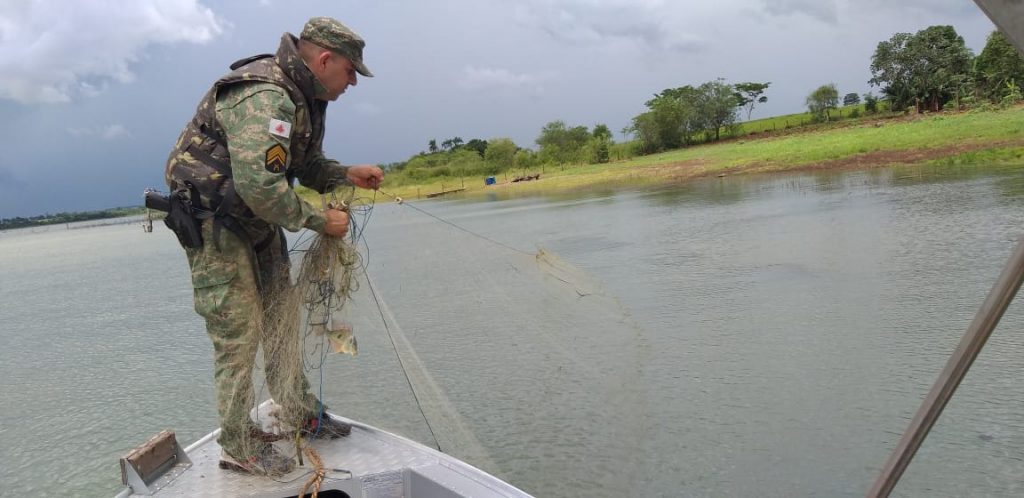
(365, 176)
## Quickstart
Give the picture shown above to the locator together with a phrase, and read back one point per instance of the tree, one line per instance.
(851, 99)
(525, 159)
(749, 94)
(561, 144)
(626, 130)
(601, 131)
(672, 121)
(998, 64)
(822, 99)
(432, 145)
(921, 69)
(500, 154)
(480, 146)
(891, 69)
(870, 103)
(716, 105)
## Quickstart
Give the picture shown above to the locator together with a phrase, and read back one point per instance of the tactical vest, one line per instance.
(200, 161)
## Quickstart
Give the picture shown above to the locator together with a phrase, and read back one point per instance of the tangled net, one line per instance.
(302, 322)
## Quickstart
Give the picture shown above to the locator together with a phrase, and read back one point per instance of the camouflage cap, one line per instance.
(333, 35)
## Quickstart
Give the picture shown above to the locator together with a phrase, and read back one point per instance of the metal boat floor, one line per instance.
(369, 463)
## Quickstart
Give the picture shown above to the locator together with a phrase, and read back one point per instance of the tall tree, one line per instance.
(922, 69)
(672, 120)
(822, 99)
(851, 99)
(750, 94)
(716, 105)
(432, 145)
(998, 64)
(892, 67)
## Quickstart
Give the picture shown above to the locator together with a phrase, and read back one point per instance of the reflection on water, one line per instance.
(779, 332)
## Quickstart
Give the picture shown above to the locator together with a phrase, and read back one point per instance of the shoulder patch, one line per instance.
(277, 159)
(280, 128)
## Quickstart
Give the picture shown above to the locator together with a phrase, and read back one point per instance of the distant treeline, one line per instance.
(55, 219)
(922, 72)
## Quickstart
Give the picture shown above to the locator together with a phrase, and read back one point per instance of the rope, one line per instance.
(317, 478)
(442, 220)
(401, 362)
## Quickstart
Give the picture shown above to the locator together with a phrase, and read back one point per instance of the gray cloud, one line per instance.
(108, 132)
(367, 108)
(53, 51)
(824, 10)
(8, 181)
(588, 22)
(483, 78)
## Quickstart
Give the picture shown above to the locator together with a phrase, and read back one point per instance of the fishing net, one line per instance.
(303, 321)
(515, 361)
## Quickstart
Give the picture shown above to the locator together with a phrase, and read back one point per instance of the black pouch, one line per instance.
(181, 219)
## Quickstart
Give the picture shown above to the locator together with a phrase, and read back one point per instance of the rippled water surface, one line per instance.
(762, 336)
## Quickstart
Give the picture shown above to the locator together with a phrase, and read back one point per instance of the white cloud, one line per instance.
(54, 51)
(482, 78)
(108, 132)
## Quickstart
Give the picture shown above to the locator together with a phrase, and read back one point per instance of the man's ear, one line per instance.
(321, 60)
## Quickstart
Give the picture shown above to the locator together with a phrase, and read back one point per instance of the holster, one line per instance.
(183, 219)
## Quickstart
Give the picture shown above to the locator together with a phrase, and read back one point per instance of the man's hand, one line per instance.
(337, 223)
(366, 176)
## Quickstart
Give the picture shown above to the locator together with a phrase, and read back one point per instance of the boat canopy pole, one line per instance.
(1008, 16)
(978, 332)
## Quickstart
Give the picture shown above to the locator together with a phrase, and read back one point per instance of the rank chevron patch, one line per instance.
(277, 159)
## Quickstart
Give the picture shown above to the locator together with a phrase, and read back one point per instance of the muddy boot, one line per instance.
(268, 461)
(325, 427)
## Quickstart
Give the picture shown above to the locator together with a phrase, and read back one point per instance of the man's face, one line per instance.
(338, 74)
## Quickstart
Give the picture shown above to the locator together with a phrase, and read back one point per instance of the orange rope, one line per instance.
(318, 473)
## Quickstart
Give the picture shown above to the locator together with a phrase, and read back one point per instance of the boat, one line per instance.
(369, 462)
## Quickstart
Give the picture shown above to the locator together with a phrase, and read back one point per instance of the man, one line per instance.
(258, 129)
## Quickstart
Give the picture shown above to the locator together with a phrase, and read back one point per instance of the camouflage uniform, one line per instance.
(258, 128)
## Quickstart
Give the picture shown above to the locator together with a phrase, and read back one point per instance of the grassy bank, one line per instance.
(962, 138)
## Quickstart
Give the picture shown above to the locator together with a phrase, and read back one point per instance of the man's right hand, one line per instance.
(337, 223)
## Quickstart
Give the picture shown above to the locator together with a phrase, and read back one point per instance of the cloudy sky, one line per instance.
(94, 92)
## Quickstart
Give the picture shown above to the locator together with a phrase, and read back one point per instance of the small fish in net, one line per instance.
(340, 337)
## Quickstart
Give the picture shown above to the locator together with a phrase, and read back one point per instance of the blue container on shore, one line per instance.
(489, 180)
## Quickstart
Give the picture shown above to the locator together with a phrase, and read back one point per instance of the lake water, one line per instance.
(760, 336)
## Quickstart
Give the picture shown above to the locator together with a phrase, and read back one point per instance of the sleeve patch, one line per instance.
(277, 159)
(280, 128)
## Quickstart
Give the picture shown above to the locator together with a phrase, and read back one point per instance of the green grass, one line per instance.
(868, 135)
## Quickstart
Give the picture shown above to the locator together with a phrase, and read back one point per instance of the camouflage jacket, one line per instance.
(257, 130)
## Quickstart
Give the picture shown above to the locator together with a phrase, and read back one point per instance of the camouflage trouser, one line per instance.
(228, 297)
